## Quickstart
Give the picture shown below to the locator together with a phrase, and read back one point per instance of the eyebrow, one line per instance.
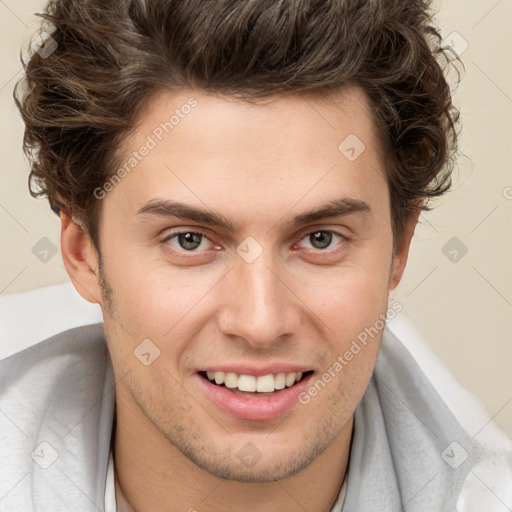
(167, 208)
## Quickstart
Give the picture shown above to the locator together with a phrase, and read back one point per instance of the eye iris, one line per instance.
(190, 240)
(321, 239)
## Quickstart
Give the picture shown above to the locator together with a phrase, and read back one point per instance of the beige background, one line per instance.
(463, 308)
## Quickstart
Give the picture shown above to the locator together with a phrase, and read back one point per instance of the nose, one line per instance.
(258, 304)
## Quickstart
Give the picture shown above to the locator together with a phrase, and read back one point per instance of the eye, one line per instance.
(320, 240)
(188, 241)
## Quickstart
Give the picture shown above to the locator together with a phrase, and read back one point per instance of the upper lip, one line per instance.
(257, 371)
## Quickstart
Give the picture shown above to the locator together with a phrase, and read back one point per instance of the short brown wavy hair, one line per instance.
(111, 57)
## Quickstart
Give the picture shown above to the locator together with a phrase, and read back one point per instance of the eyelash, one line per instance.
(340, 247)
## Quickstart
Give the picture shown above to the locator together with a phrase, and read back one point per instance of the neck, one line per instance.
(155, 476)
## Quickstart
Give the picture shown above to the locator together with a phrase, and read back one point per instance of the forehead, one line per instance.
(301, 118)
(209, 150)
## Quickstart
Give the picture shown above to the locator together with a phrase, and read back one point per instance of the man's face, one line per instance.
(269, 290)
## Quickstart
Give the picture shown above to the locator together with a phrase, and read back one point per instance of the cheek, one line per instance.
(351, 303)
(154, 300)
(348, 299)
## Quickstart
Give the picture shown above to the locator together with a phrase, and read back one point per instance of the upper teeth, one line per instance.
(264, 384)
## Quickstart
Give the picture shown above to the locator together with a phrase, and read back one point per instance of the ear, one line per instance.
(402, 252)
(80, 259)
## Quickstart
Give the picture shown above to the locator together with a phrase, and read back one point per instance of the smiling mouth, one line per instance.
(250, 385)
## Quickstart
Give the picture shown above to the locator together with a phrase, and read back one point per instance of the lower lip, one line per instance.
(254, 408)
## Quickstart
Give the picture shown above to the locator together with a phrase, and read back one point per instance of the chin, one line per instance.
(257, 471)
(251, 462)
